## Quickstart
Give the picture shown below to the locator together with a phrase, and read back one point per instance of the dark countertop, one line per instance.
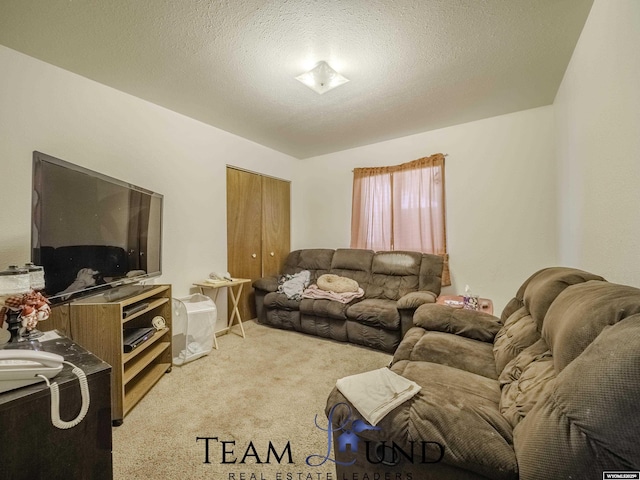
(72, 352)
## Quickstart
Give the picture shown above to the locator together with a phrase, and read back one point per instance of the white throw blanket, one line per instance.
(374, 394)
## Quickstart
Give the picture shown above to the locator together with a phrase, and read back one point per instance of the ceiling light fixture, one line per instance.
(322, 78)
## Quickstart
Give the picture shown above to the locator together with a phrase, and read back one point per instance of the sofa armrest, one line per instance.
(266, 284)
(458, 321)
(415, 299)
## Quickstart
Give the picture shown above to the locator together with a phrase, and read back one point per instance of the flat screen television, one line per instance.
(91, 232)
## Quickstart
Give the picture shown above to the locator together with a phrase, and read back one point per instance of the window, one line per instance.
(401, 208)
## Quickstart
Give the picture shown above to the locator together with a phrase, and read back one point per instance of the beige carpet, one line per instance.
(265, 388)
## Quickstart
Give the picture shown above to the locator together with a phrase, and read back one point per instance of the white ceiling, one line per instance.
(414, 65)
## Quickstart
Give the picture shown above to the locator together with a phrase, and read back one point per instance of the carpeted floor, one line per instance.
(265, 388)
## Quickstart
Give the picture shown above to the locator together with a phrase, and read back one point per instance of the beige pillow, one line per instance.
(335, 283)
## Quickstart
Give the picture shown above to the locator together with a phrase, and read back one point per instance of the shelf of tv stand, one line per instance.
(97, 324)
(152, 305)
(136, 360)
(141, 385)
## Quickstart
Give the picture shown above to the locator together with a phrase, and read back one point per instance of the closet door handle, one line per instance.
(254, 255)
(272, 254)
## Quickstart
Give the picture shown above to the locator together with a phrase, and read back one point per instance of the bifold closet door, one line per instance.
(258, 229)
(244, 233)
(276, 224)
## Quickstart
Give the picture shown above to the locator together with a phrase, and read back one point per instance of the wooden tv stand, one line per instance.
(97, 324)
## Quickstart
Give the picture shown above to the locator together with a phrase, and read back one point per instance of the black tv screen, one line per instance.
(91, 232)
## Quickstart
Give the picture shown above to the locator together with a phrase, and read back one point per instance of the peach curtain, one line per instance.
(371, 213)
(401, 208)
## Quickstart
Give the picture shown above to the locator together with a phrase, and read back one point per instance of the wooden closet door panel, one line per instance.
(244, 233)
(276, 221)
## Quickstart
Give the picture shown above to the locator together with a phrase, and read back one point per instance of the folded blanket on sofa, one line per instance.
(314, 292)
(374, 394)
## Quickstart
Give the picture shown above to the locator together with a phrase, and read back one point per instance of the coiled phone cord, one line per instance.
(55, 399)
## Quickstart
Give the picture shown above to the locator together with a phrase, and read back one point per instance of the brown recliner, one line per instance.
(548, 392)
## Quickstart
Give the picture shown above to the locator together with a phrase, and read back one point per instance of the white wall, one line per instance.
(553, 185)
(500, 190)
(597, 116)
(51, 110)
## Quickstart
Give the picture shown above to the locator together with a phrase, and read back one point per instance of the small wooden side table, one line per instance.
(235, 288)
(484, 304)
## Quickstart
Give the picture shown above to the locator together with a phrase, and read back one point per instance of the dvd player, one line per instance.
(133, 337)
(131, 309)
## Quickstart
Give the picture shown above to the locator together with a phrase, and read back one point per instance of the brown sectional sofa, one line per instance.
(394, 283)
(548, 391)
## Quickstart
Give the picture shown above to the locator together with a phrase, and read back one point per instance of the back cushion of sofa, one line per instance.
(397, 263)
(540, 277)
(547, 284)
(316, 260)
(517, 302)
(580, 313)
(431, 273)
(518, 332)
(352, 259)
(588, 420)
(394, 274)
(353, 263)
(522, 328)
(524, 380)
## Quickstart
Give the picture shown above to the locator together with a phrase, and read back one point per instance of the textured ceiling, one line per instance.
(414, 65)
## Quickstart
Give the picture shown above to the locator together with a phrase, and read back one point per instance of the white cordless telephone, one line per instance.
(19, 368)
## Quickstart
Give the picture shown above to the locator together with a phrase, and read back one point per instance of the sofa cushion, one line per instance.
(459, 410)
(516, 303)
(373, 337)
(519, 332)
(406, 346)
(514, 368)
(547, 284)
(580, 313)
(391, 287)
(455, 408)
(394, 274)
(445, 349)
(316, 260)
(375, 312)
(354, 264)
(396, 263)
(467, 323)
(309, 259)
(324, 327)
(280, 301)
(431, 273)
(520, 396)
(352, 259)
(281, 318)
(590, 410)
(324, 308)
(524, 379)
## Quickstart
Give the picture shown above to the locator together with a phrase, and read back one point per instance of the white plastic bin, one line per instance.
(194, 321)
